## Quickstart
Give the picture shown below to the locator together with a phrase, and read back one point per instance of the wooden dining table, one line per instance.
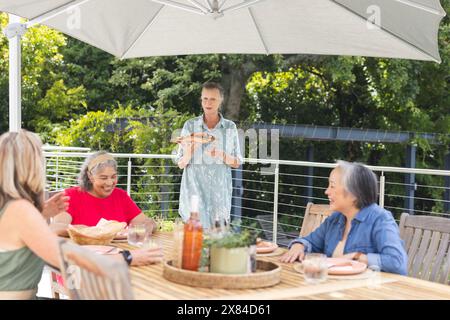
(148, 283)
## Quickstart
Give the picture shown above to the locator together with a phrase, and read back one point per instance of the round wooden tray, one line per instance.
(267, 274)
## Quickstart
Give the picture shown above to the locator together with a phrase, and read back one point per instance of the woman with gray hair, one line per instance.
(97, 197)
(358, 229)
(207, 166)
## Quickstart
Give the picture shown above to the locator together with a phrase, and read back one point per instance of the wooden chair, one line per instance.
(427, 240)
(57, 289)
(315, 214)
(89, 276)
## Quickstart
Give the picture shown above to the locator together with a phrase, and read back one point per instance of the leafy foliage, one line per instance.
(96, 130)
(42, 88)
(230, 240)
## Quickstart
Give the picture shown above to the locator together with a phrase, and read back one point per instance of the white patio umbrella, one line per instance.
(139, 28)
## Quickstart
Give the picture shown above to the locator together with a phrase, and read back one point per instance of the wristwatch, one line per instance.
(356, 256)
(127, 256)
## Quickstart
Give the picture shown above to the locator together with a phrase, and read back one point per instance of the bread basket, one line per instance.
(99, 235)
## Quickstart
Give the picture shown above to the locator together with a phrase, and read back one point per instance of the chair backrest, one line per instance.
(427, 242)
(315, 214)
(89, 276)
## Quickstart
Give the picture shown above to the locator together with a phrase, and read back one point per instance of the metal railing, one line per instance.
(271, 201)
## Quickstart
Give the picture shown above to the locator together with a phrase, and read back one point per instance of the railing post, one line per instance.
(165, 198)
(47, 185)
(382, 186)
(410, 182)
(57, 174)
(310, 173)
(238, 191)
(447, 184)
(129, 177)
(275, 203)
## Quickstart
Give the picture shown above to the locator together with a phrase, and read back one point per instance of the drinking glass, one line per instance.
(217, 222)
(152, 242)
(315, 268)
(159, 220)
(137, 233)
(220, 221)
(205, 257)
(178, 236)
(374, 280)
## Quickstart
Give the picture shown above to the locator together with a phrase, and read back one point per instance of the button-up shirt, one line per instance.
(207, 177)
(373, 232)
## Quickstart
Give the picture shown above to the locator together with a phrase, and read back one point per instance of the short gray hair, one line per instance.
(209, 85)
(360, 181)
(83, 179)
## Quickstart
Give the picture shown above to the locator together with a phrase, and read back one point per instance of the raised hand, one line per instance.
(56, 204)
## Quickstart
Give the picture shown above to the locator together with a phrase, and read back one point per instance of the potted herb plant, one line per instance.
(229, 254)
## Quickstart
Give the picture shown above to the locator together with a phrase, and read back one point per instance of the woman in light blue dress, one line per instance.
(207, 167)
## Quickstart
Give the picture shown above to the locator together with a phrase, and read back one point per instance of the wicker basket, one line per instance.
(103, 235)
(268, 274)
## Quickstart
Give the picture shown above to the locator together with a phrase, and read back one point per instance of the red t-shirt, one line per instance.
(88, 210)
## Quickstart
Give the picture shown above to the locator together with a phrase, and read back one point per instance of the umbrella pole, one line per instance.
(14, 32)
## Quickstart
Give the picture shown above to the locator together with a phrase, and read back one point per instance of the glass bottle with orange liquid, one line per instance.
(193, 238)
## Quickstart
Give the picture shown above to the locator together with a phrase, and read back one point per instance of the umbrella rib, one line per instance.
(208, 3)
(422, 7)
(246, 3)
(222, 4)
(258, 30)
(55, 12)
(438, 60)
(178, 5)
(199, 6)
(150, 23)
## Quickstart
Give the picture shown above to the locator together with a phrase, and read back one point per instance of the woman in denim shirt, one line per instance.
(358, 229)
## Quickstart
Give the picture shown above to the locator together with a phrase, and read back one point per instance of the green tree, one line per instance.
(98, 130)
(87, 66)
(42, 90)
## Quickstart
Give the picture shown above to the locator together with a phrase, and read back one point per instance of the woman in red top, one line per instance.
(97, 197)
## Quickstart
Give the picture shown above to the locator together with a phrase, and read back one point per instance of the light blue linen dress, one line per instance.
(207, 177)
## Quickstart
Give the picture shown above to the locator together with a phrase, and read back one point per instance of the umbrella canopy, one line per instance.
(138, 28)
